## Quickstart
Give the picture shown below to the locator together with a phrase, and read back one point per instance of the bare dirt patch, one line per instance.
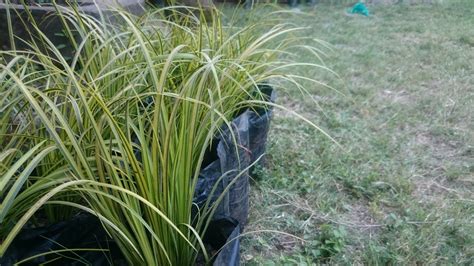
(359, 218)
(395, 96)
(433, 184)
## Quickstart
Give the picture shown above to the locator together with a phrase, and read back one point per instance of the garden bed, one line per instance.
(139, 129)
(225, 179)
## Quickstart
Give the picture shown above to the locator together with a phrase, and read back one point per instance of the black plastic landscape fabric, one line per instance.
(227, 163)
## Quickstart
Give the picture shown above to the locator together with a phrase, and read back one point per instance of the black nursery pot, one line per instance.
(45, 16)
(85, 231)
(228, 160)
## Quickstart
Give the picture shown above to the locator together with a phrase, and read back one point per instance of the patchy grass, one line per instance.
(402, 189)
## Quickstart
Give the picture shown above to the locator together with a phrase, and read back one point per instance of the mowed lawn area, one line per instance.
(401, 188)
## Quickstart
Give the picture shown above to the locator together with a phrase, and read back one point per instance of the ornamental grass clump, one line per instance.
(120, 129)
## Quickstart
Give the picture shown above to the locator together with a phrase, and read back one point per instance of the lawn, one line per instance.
(401, 188)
